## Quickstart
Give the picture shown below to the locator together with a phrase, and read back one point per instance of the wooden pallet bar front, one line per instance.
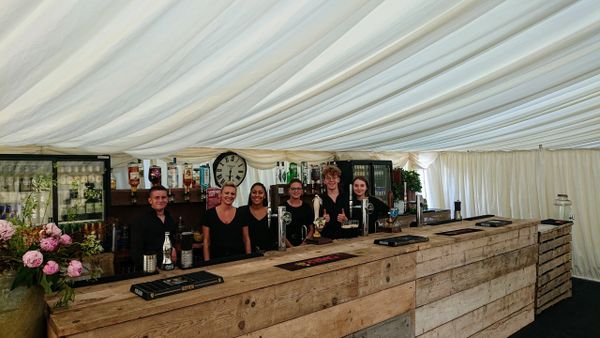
(554, 265)
(443, 285)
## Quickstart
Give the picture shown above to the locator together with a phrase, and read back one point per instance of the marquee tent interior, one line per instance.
(497, 102)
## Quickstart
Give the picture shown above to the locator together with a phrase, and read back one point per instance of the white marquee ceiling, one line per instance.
(151, 78)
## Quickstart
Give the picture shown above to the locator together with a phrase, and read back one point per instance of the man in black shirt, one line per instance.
(148, 232)
(335, 205)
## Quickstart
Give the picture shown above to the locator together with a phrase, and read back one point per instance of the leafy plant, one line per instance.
(412, 179)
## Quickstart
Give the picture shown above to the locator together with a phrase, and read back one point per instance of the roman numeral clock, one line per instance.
(229, 166)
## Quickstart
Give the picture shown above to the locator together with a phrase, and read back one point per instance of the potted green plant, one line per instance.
(413, 183)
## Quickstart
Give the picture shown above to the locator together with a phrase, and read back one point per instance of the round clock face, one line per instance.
(229, 166)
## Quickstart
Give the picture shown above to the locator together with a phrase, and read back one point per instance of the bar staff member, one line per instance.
(261, 237)
(335, 203)
(302, 215)
(225, 229)
(360, 188)
(148, 232)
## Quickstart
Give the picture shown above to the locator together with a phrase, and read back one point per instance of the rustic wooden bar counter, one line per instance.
(480, 283)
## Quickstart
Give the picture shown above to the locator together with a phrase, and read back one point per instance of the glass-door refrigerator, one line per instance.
(72, 191)
(377, 173)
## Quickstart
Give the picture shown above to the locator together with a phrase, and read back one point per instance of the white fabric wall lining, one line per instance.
(524, 184)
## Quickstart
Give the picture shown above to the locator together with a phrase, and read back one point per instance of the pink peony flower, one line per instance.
(74, 269)
(65, 240)
(51, 268)
(49, 244)
(6, 230)
(51, 229)
(33, 259)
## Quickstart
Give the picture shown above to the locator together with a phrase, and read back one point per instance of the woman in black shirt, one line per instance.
(261, 237)
(360, 188)
(302, 215)
(225, 229)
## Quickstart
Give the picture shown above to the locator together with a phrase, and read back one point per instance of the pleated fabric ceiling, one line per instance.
(151, 78)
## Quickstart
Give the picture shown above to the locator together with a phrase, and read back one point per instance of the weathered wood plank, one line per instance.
(554, 273)
(444, 310)
(445, 283)
(507, 326)
(123, 309)
(550, 245)
(554, 263)
(541, 301)
(559, 231)
(446, 257)
(565, 295)
(549, 255)
(484, 316)
(553, 284)
(256, 309)
(343, 319)
(402, 326)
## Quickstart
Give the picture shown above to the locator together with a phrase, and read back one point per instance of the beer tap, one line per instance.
(419, 201)
(283, 219)
(366, 209)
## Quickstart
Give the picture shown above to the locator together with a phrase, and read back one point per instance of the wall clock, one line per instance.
(229, 166)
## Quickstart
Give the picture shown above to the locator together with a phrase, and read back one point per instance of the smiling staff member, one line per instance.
(148, 231)
(302, 215)
(262, 238)
(360, 188)
(335, 205)
(225, 229)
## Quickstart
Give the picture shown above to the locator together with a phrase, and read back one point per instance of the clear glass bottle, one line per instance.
(133, 170)
(563, 207)
(172, 178)
(188, 180)
(167, 263)
(113, 181)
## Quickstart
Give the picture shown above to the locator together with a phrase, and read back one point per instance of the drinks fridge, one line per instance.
(71, 190)
(377, 173)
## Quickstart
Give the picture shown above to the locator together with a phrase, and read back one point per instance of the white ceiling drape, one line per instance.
(151, 79)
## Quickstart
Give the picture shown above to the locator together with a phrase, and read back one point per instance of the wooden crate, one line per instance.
(554, 265)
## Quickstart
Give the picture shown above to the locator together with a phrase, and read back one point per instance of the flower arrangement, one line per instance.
(42, 255)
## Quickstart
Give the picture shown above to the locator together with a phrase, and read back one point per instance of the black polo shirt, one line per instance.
(148, 235)
(333, 228)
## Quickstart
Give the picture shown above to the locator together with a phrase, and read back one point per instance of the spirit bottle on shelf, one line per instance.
(172, 178)
(141, 166)
(113, 181)
(188, 179)
(204, 181)
(154, 175)
(134, 180)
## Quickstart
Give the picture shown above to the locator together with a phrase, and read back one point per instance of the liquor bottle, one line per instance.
(134, 179)
(172, 178)
(141, 171)
(180, 228)
(113, 181)
(204, 181)
(167, 263)
(293, 171)
(188, 179)
(304, 173)
(277, 173)
(155, 175)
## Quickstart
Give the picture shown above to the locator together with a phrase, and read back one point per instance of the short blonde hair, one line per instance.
(332, 170)
(228, 184)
